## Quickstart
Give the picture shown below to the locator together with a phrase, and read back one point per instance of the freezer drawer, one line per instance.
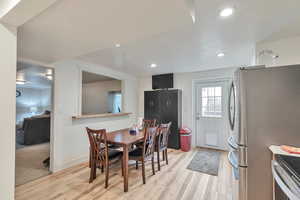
(235, 188)
(239, 178)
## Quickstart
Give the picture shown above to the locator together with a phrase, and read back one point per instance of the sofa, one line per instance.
(36, 129)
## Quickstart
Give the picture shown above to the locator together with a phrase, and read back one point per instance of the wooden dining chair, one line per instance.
(162, 142)
(149, 123)
(110, 146)
(100, 154)
(147, 151)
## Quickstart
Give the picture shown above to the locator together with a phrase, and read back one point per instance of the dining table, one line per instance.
(124, 139)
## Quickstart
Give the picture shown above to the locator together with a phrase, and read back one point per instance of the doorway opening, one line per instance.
(34, 106)
(211, 113)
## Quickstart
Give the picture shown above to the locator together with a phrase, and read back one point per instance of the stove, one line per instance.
(286, 172)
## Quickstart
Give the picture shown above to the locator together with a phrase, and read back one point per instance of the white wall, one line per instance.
(70, 138)
(8, 111)
(95, 96)
(288, 50)
(184, 81)
(32, 97)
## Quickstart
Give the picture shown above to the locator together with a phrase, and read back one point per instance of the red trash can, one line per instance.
(185, 139)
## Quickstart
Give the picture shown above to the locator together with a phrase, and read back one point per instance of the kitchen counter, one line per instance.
(276, 150)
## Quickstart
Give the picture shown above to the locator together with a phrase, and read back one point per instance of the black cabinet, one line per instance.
(165, 106)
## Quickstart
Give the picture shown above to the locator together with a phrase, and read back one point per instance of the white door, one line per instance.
(212, 114)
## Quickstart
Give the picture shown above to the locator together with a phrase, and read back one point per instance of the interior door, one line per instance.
(212, 127)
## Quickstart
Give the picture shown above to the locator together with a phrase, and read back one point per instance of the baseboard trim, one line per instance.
(70, 163)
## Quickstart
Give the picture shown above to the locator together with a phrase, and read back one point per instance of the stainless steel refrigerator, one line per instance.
(264, 110)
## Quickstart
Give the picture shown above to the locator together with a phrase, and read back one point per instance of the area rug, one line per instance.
(206, 161)
(29, 163)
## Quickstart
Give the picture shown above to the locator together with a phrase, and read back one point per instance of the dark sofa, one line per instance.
(36, 129)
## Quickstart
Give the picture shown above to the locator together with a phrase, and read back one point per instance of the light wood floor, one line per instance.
(173, 182)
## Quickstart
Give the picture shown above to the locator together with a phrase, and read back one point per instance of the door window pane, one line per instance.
(212, 102)
(218, 91)
(204, 92)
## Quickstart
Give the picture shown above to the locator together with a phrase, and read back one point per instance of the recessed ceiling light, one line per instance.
(20, 82)
(153, 65)
(226, 12)
(117, 45)
(220, 54)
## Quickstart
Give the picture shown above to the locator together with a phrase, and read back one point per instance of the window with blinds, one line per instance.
(212, 102)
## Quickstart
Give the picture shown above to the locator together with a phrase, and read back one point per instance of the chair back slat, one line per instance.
(98, 144)
(149, 141)
(149, 123)
(163, 135)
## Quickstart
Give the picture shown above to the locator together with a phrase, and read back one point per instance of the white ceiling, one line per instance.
(71, 28)
(156, 31)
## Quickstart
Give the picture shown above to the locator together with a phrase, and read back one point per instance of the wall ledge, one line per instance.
(104, 115)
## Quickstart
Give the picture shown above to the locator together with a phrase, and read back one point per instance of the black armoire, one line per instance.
(165, 106)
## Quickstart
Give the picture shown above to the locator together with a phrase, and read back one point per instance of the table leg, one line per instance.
(125, 166)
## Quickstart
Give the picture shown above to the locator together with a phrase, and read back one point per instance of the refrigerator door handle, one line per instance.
(243, 156)
(231, 106)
